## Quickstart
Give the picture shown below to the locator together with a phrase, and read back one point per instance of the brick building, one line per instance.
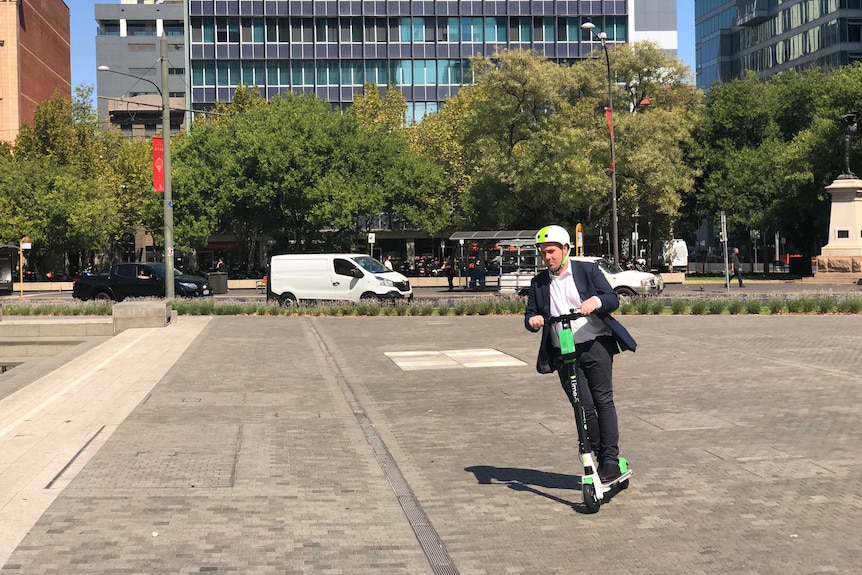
(35, 59)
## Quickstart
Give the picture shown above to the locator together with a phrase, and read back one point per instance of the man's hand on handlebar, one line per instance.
(589, 306)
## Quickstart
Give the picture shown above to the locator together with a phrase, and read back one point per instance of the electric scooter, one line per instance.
(591, 484)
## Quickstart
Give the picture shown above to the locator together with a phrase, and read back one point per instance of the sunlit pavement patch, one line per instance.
(452, 359)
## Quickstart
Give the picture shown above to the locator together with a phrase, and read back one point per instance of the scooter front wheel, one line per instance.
(591, 501)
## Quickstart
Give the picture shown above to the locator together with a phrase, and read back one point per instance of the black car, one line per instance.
(137, 279)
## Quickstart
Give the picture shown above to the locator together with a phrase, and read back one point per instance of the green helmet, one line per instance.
(555, 234)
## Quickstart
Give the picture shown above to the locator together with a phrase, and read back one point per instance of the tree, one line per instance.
(436, 138)
(63, 186)
(768, 148)
(532, 140)
(388, 112)
(293, 168)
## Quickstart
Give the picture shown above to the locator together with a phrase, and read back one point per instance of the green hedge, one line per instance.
(459, 307)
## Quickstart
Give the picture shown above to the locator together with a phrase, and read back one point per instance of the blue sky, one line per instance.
(84, 63)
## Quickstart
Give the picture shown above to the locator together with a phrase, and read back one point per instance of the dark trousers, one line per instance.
(595, 362)
(737, 273)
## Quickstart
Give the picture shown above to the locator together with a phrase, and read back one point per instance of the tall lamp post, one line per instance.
(609, 112)
(165, 94)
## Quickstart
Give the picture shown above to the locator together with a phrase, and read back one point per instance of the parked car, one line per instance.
(137, 279)
(628, 284)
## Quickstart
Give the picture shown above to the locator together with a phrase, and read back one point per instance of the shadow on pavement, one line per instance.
(520, 479)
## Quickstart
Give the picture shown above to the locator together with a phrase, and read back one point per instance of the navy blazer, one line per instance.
(590, 282)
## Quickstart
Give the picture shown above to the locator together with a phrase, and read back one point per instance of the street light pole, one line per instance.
(168, 199)
(166, 137)
(602, 37)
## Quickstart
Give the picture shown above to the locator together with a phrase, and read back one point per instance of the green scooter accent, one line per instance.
(591, 486)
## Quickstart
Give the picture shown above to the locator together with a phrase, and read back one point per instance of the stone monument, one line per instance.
(841, 258)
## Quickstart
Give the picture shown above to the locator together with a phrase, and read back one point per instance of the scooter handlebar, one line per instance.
(572, 316)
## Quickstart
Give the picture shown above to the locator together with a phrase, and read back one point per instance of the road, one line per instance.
(692, 288)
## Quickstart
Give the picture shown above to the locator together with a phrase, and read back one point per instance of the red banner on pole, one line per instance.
(158, 164)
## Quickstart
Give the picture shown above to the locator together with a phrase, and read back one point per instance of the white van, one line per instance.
(352, 277)
(671, 256)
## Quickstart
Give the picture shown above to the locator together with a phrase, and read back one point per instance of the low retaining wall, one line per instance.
(674, 278)
(131, 314)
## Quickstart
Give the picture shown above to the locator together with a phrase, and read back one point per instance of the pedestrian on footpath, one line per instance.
(567, 285)
(735, 267)
(449, 272)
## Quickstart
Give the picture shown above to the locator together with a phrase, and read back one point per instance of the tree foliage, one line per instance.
(528, 143)
(768, 148)
(293, 168)
(64, 183)
(371, 109)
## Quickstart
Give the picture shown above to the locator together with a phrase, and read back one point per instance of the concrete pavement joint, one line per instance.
(74, 458)
(429, 540)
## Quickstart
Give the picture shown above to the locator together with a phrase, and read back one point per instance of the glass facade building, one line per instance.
(332, 48)
(769, 36)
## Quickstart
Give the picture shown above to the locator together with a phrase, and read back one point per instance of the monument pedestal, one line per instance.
(841, 258)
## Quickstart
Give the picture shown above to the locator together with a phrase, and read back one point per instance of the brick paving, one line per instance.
(743, 432)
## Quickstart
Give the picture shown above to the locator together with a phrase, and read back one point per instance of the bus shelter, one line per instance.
(487, 257)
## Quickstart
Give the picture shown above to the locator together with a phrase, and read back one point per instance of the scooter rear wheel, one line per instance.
(591, 502)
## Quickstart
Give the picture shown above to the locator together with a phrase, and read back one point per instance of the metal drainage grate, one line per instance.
(429, 540)
(4, 367)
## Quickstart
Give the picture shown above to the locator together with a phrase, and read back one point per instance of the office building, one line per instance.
(331, 48)
(127, 41)
(769, 36)
(35, 59)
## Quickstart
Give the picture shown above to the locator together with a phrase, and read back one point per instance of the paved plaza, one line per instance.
(428, 445)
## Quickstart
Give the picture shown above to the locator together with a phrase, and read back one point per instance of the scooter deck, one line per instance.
(619, 479)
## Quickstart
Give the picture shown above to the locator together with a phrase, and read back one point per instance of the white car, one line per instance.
(629, 283)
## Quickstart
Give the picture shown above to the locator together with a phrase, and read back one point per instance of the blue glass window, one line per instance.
(450, 72)
(401, 73)
(352, 73)
(377, 72)
(448, 29)
(302, 73)
(471, 29)
(351, 31)
(228, 73)
(496, 30)
(424, 72)
(253, 73)
(327, 73)
(204, 73)
(403, 31)
(419, 30)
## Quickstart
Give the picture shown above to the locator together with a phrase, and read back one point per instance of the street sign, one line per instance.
(26, 245)
(371, 238)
